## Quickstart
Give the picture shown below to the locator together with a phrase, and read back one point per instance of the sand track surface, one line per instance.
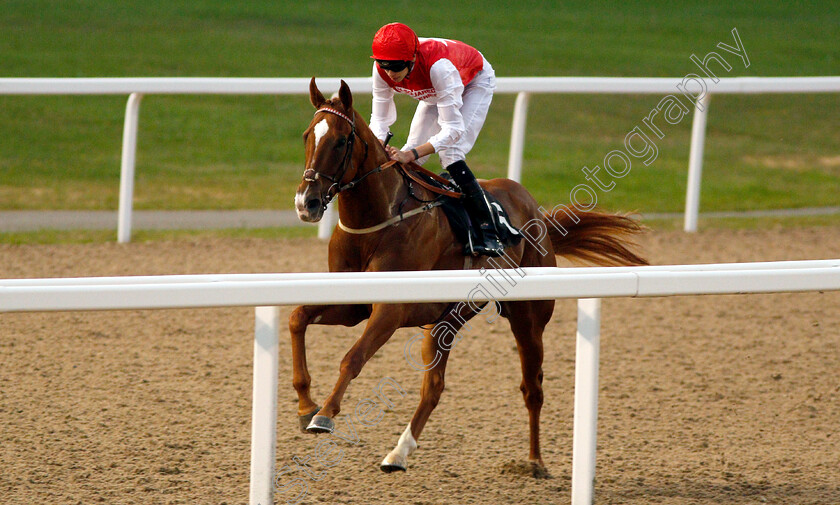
(703, 400)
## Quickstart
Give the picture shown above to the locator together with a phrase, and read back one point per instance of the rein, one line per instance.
(410, 171)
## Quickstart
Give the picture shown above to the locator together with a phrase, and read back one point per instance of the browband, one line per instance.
(339, 114)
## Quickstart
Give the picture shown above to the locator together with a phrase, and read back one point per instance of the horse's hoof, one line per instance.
(391, 468)
(304, 420)
(393, 463)
(321, 424)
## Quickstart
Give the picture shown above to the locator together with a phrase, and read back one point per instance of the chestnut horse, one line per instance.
(379, 232)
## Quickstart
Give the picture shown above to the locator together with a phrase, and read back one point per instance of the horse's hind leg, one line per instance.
(527, 321)
(434, 363)
(300, 319)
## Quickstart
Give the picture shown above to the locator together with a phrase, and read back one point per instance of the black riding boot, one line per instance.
(478, 209)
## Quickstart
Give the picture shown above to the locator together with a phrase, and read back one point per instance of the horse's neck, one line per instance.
(373, 200)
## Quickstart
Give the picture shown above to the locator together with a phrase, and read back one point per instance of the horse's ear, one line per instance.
(315, 95)
(345, 95)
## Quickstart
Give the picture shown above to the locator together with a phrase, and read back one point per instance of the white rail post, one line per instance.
(586, 400)
(264, 405)
(517, 136)
(695, 163)
(328, 222)
(129, 155)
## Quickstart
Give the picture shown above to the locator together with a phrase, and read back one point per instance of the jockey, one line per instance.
(454, 85)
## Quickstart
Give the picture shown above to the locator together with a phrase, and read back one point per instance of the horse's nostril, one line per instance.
(313, 205)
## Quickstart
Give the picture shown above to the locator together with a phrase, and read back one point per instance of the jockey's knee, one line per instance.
(451, 155)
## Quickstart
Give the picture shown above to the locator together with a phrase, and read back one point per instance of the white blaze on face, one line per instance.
(321, 129)
(300, 204)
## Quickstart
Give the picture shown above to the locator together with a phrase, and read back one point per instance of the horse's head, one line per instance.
(330, 140)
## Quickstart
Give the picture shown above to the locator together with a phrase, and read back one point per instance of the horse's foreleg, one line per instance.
(434, 362)
(300, 319)
(384, 321)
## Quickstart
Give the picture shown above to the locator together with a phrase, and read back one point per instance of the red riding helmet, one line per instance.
(395, 41)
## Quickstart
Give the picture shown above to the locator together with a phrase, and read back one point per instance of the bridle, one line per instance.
(311, 175)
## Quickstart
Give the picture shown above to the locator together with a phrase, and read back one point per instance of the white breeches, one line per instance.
(476, 102)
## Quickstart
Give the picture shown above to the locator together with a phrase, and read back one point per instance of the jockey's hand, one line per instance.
(401, 156)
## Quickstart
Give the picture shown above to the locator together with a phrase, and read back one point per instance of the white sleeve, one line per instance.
(383, 111)
(450, 91)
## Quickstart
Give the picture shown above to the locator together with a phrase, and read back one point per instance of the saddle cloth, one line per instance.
(465, 232)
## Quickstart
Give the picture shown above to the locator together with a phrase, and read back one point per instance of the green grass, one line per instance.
(231, 152)
(746, 223)
(102, 236)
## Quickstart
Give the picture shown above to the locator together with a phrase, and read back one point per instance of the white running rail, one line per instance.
(136, 87)
(266, 291)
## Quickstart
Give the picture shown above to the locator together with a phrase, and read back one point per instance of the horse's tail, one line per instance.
(595, 237)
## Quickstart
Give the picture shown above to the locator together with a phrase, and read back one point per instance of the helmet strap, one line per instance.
(411, 66)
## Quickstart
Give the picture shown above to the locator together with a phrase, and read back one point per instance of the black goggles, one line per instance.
(393, 65)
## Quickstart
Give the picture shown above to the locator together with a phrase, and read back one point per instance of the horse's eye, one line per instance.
(340, 142)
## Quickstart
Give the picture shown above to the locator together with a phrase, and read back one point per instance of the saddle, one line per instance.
(450, 201)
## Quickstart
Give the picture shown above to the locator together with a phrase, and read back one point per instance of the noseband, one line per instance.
(311, 175)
